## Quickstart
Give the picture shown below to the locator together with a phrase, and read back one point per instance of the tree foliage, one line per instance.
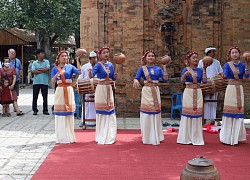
(49, 19)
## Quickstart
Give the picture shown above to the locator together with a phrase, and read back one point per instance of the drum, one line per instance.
(87, 86)
(213, 85)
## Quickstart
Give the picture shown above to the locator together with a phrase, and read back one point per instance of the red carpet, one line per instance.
(129, 159)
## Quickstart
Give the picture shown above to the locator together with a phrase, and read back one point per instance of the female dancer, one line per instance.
(190, 131)
(233, 129)
(106, 125)
(64, 104)
(150, 115)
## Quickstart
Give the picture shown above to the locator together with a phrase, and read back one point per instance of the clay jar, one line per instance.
(246, 56)
(207, 60)
(80, 53)
(119, 58)
(200, 168)
(165, 60)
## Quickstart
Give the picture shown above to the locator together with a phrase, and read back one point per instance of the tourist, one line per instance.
(15, 63)
(9, 74)
(40, 69)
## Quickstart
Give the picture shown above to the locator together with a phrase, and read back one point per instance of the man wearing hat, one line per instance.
(212, 70)
(40, 69)
(90, 112)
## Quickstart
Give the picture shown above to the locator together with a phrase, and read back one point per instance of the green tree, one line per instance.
(49, 19)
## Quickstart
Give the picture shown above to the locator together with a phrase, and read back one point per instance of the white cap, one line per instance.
(92, 54)
(209, 49)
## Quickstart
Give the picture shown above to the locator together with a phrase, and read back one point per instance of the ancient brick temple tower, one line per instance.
(169, 27)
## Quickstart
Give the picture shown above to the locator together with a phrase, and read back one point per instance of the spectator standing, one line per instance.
(8, 73)
(15, 63)
(40, 69)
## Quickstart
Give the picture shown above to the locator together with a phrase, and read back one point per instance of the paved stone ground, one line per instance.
(26, 141)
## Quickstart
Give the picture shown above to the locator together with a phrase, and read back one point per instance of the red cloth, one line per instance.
(9, 72)
(171, 130)
(6, 95)
(209, 129)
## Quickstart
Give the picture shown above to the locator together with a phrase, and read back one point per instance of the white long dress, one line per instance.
(151, 124)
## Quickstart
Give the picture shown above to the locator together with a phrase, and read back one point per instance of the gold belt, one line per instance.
(234, 82)
(193, 86)
(151, 84)
(64, 84)
(104, 82)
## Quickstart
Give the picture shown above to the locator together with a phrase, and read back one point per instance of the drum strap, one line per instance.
(65, 90)
(153, 89)
(194, 76)
(108, 87)
(237, 86)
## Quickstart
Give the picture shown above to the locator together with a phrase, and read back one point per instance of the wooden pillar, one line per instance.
(22, 63)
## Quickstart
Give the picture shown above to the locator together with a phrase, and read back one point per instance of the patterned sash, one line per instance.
(153, 89)
(237, 86)
(108, 87)
(65, 90)
(194, 76)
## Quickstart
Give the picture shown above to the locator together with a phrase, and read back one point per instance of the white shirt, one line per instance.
(213, 69)
(85, 73)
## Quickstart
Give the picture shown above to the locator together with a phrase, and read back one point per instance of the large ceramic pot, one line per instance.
(200, 168)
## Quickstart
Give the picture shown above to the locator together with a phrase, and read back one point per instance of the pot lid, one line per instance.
(201, 162)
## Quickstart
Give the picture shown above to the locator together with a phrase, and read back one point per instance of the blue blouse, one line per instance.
(189, 78)
(69, 71)
(101, 73)
(229, 73)
(157, 73)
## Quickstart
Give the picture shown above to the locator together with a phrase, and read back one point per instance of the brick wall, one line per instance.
(170, 27)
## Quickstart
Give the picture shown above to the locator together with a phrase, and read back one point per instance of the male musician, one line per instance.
(90, 112)
(215, 68)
